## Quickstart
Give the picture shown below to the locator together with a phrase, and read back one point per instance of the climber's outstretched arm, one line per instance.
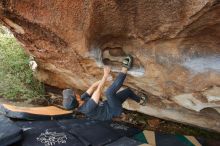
(92, 88)
(97, 94)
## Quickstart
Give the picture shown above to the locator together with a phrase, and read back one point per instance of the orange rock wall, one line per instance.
(175, 43)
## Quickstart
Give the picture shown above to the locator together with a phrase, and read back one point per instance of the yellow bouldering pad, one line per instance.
(35, 113)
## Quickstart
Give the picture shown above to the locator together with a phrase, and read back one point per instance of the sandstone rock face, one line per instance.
(175, 44)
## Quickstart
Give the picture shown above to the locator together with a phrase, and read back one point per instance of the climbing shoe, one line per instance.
(127, 62)
(143, 99)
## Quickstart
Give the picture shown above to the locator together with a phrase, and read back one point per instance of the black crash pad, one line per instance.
(34, 113)
(48, 137)
(120, 128)
(46, 133)
(9, 132)
(98, 133)
(75, 131)
(125, 141)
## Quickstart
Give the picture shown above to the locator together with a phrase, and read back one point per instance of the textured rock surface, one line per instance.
(176, 45)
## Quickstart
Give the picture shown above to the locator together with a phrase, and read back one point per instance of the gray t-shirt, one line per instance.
(93, 110)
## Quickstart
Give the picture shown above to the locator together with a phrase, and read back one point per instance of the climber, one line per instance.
(89, 102)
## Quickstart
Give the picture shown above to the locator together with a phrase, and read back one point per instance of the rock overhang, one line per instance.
(175, 45)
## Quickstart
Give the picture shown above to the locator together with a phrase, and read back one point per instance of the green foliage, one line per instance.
(16, 78)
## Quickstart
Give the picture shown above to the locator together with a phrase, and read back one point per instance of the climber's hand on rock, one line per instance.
(109, 78)
(107, 70)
